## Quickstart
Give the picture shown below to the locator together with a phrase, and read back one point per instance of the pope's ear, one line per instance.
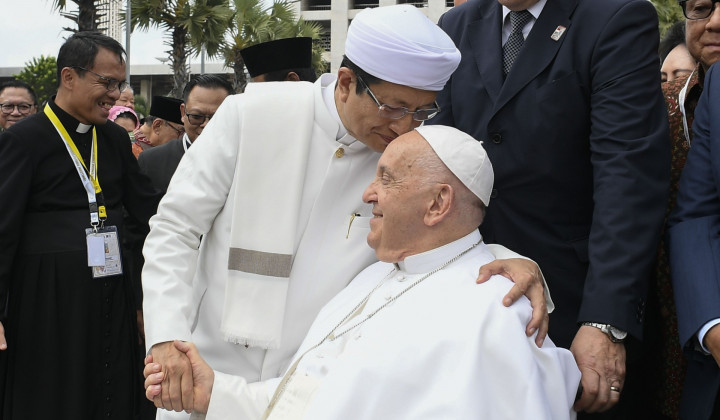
(440, 204)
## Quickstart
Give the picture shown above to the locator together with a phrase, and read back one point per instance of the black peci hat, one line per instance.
(166, 108)
(280, 54)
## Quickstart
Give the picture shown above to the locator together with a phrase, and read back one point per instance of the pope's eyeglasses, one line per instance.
(110, 83)
(397, 112)
(698, 9)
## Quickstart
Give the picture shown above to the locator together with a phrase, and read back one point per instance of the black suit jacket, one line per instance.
(159, 163)
(578, 138)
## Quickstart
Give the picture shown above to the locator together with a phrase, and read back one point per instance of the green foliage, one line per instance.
(255, 24)
(141, 106)
(669, 12)
(41, 74)
(191, 25)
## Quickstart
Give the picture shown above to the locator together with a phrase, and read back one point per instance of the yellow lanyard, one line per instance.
(91, 183)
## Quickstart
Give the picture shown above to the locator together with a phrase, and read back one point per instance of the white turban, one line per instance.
(464, 156)
(399, 44)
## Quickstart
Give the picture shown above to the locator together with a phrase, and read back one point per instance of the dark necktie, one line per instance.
(518, 20)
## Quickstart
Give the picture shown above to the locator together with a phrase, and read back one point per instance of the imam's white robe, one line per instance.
(447, 349)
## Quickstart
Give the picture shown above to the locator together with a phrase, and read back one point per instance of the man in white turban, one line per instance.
(412, 336)
(273, 188)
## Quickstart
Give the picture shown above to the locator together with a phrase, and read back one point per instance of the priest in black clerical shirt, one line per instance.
(68, 348)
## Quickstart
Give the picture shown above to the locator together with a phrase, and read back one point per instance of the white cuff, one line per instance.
(704, 330)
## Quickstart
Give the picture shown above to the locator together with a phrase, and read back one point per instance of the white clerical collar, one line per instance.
(328, 82)
(83, 128)
(428, 260)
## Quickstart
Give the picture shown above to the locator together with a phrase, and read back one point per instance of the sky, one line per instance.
(32, 28)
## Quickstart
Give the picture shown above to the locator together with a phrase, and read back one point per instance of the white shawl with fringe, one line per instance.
(270, 171)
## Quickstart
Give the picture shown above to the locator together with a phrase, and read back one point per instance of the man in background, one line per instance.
(163, 123)
(18, 100)
(565, 95)
(67, 177)
(288, 59)
(201, 98)
(692, 226)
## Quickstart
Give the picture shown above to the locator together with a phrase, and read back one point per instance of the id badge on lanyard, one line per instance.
(103, 246)
(103, 251)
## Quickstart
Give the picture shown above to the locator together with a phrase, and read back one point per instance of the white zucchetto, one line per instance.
(399, 44)
(464, 156)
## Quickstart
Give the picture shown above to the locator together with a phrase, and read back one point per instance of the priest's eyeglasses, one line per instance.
(198, 119)
(110, 83)
(24, 109)
(397, 112)
(698, 9)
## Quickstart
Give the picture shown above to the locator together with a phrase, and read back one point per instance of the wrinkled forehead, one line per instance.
(404, 150)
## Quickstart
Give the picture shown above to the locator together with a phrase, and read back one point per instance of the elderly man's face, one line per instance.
(703, 38)
(359, 113)
(201, 102)
(127, 98)
(90, 99)
(162, 131)
(399, 197)
(16, 97)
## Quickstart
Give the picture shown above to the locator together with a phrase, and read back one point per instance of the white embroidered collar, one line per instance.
(426, 261)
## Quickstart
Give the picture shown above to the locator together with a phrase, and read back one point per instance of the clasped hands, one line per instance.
(183, 382)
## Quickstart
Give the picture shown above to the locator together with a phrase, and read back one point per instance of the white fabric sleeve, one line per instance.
(233, 398)
(197, 193)
(502, 253)
(704, 330)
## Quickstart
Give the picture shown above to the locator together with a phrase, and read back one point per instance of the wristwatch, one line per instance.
(616, 335)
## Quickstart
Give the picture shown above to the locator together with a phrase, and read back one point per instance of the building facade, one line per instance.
(335, 17)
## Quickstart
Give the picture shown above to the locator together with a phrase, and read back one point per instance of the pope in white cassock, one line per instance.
(412, 336)
(273, 187)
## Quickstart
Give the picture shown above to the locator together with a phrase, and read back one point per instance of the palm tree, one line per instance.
(191, 24)
(87, 17)
(254, 24)
(669, 12)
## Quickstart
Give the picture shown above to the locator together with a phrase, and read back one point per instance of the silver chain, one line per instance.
(391, 300)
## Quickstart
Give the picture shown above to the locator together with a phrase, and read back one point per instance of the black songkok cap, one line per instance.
(166, 108)
(281, 54)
